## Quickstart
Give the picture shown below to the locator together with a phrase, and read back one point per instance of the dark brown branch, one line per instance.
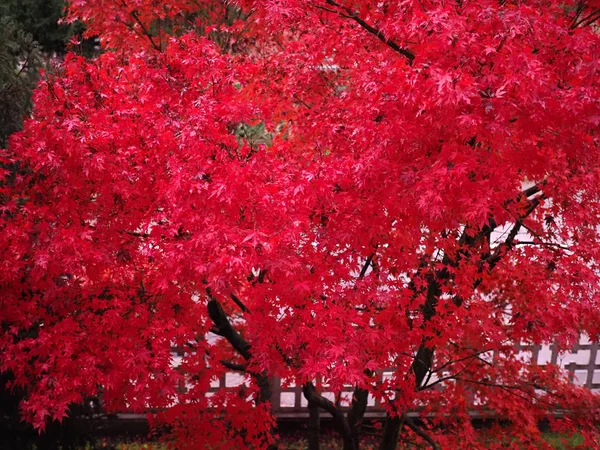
(509, 243)
(216, 331)
(302, 102)
(223, 326)
(234, 366)
(393, 425)
(540, 240)
(366, 265)
(543, 244)
(587, 20)
(455, 361)
(324, 8)
(578, 11)
(424, 358)
(449, 377)
(593, 19)
(134, 233)
(258, 279)
(421, 432)
(314, 426)
(311, 395)
(238, 302)
(375, 32)
(512, 390)
(142, 26)
(534, 233)
(357, 411)
(313, 398)
(532, 190)
(526, 193)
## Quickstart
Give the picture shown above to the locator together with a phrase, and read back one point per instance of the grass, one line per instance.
(558, 442)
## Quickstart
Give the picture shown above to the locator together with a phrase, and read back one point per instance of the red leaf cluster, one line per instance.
(423, 198)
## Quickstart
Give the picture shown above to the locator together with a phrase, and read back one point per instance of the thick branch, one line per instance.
(424, 357)
(509, 243)
(238, 302)
(375, 32)
(313, 398)
(423, 360)
(536, 188)
(130, 233)
(234, 366)
(420, 432)
(357, 411)
(314, 426)
(223, 327)
(392, 428)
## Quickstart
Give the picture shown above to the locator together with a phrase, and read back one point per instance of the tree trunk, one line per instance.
(266, 392)
(356, 414)
(314, 426)
(313, 398)
(224, 328)
(389, 440)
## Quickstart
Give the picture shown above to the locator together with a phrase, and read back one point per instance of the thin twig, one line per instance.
(543, 244)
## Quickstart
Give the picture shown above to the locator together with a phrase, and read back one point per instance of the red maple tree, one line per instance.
(420, 194)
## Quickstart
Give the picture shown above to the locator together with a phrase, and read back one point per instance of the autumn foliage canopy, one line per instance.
(422, 195)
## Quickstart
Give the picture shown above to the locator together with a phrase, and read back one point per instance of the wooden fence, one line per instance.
(288, 402)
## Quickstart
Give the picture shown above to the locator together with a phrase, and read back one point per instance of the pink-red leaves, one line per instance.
(392, 209)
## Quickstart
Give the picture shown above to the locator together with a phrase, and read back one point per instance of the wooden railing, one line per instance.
(582, 364)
